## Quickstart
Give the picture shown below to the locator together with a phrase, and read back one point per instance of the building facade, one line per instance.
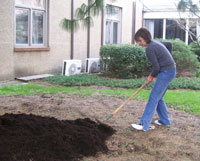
(33, 42)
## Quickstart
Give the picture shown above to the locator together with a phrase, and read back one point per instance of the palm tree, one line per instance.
(84, 15)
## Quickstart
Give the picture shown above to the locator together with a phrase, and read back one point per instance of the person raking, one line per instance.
(164, 69)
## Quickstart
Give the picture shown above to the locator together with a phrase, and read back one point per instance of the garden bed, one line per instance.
(179, 142)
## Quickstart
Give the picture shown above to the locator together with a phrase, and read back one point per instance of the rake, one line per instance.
(120, 107)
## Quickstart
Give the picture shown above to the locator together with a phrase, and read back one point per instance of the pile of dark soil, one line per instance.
(35, 138)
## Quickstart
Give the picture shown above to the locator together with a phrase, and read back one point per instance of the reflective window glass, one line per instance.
(37, 27)
(115, 32)
(21, 26)
(113, 13)
(108, 32)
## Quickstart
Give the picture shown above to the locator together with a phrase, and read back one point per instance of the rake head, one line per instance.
(109, 116)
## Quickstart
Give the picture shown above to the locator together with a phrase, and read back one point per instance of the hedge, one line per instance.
(185, 59)
(194, 47)
(130, 61)
(124, 61)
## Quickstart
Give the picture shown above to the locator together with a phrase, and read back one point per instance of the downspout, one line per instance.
(72, 32)
(133, 22)
(102, 24)
(88, 37)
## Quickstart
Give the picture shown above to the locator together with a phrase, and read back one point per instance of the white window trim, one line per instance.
(45, 26)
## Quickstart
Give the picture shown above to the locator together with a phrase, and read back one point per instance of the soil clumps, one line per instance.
(35, 138)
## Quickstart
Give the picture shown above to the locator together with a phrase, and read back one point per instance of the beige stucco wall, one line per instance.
(31, 63)
(127, 14)
(95, 37)
(7, 39)
(17, 64)
(80, 38)
(139, 16)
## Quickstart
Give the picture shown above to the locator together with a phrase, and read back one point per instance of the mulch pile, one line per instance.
(35, 138)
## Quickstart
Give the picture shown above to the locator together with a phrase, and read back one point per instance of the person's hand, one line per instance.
(150, 79)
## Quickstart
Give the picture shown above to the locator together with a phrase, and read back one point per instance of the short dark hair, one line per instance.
(144, 33)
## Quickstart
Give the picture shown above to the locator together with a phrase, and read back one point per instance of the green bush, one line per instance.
(130, 61)
(194, 47)
(124, 61)
(185, 59)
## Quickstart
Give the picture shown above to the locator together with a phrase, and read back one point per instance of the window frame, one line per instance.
(112, 21)
(31, 9)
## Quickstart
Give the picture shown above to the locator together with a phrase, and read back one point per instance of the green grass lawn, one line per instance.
(187, 100)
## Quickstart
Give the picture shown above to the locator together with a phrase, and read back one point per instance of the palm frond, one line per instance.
(69, 25)
(90, 2)
(87, 22)
(95, 7)
(84, 14)
(81, 12)
(110, 9)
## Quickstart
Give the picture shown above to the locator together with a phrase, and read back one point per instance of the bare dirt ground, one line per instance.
(179, 142)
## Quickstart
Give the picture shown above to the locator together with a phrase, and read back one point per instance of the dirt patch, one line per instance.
(30, 137)
(179, 142)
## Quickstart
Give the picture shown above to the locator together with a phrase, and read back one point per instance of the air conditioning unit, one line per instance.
(92, 65)
(71, 67)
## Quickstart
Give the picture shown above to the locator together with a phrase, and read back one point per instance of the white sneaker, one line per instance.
(137, 127)
(158, 123)
(140, 127)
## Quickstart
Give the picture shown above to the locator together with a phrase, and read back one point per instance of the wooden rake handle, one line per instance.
(120, 107)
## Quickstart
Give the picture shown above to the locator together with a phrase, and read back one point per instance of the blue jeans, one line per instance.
(156, 101)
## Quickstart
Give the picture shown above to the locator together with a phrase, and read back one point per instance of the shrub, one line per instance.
(186, 60)
(194, 47)
(124, 61)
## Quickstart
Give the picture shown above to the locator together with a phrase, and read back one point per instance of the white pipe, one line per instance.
(164, 28)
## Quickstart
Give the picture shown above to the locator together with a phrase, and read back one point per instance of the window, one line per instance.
(31, 23)
(174, 29)
(155, 26)
(113, 25)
